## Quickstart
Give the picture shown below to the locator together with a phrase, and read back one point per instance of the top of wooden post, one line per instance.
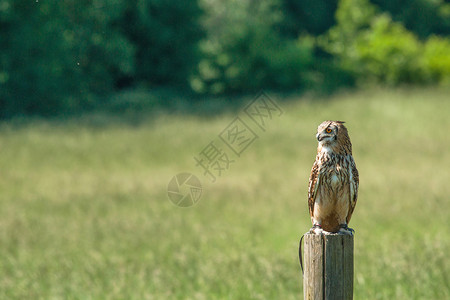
(328, 266)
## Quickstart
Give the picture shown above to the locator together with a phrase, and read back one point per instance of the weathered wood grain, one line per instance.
(328, 262)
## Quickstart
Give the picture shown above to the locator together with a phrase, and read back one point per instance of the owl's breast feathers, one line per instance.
(332, 189)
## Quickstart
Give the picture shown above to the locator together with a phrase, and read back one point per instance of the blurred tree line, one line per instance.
(59, 56)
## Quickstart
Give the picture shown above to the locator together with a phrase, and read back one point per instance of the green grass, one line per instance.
(84, 212)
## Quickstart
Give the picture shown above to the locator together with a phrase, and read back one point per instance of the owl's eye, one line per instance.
(328, 130)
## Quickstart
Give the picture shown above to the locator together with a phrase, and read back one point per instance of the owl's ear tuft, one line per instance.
(340, 122)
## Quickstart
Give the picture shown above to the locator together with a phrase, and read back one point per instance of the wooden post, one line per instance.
(328, 263)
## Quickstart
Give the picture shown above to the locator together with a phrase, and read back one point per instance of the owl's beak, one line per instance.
(319, 137)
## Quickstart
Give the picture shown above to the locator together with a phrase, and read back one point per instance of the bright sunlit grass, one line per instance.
(84, 212)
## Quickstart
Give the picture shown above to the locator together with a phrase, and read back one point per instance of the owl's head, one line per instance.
(334, 135)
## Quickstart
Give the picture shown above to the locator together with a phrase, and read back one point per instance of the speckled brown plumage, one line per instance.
(334, 179)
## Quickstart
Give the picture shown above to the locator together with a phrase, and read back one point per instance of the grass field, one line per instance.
(84, 212)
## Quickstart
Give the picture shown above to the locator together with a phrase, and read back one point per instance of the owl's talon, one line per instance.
(344, 229)
(316, 229)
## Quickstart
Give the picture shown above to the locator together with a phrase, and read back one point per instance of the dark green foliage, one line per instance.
(166, 35)
(423, 17)
(258, 59)
(244, 52)
(308, 16)
(72, 55)
(62, 56)
(329, 76)
(58, 56)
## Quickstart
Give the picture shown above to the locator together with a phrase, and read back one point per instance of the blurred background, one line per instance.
(102, 103)
(60, 57)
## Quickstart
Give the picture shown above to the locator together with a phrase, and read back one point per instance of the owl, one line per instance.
(334, 181)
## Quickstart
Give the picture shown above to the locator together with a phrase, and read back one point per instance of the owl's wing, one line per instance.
(354, 184)
(314, 182)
